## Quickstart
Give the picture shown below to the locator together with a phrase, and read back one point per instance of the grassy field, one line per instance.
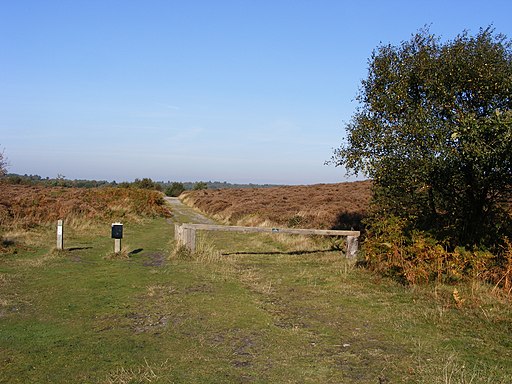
(244, 309)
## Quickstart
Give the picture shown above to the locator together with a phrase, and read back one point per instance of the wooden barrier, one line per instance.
(185, 234)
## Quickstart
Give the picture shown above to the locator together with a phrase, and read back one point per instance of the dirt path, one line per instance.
(184, 214)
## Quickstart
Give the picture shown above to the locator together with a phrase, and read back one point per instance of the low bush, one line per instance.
(415, 257)
(175, 189)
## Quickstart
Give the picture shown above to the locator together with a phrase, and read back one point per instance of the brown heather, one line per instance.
(339, 206)
(25, 206)
(418, 260)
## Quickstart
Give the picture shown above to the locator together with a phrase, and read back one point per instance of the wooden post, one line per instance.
(189, 239)
(60, 234)
(178, 234)
(117, 245)
(352, 246)
(185, 236)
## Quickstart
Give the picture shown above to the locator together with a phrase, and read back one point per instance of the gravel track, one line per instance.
(184, 214)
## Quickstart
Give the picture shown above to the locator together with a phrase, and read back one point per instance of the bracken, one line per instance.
(24, 206)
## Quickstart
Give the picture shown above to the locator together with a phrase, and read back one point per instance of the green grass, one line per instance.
(260, 311)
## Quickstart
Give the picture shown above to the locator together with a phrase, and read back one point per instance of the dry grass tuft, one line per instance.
(123, 255)
(453, 370)
(205, 252)
(143, 374)
(180, 252)
(14, 239)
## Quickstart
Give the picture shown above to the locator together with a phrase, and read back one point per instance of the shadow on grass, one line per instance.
(135, 251)
(293, 253)
(7, 243)
(77, 249)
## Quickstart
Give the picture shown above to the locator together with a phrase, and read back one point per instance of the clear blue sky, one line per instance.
(237, 91)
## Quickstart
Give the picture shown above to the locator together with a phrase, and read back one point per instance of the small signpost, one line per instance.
(117, 235)
(60, 234)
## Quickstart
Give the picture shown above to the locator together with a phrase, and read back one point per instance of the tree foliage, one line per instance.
(434, 132)
(175, 189)
(146, 183)
(200, 185)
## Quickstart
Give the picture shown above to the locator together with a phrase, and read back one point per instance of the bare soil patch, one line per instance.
(155, 260)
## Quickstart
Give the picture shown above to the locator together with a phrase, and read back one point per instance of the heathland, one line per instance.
(325, 206)
(242, 309)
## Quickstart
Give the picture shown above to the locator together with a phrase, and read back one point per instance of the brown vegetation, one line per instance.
(25, 206)
(386, 250)
(339, 206)
(418, 258)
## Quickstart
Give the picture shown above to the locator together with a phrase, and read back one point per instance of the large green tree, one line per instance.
(434, 132)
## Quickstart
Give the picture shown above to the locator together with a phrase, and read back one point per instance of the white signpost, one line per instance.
(60, 234)
(117, 235)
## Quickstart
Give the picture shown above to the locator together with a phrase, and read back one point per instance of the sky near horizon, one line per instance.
(241, 91)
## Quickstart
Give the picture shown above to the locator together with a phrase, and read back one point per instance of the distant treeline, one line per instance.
(171, 188)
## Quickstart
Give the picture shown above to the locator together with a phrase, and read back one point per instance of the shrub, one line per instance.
(146, 183)
(415, 257)
(175, 189)
(200, 185)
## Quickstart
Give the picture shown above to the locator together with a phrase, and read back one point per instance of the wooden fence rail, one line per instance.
(185, 234)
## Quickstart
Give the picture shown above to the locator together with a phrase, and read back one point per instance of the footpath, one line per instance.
(184, 214)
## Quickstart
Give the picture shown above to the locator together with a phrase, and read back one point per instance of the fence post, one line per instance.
(178, 234)
(352, 246)
(185, 237)
(60, 234)
(117, 245)
(190, 239)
